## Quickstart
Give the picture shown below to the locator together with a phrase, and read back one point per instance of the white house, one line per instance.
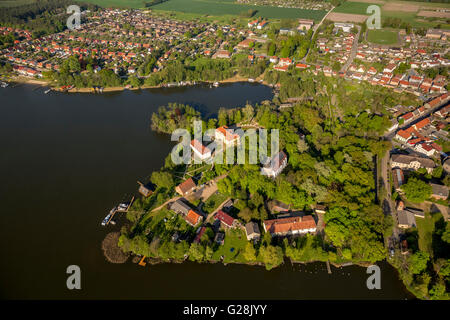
(227, 136)
(200, 150)
(274, 167)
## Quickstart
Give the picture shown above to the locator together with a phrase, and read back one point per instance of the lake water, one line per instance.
(67, 159)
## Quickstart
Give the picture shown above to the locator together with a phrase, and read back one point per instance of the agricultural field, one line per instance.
(134, 4)
(382, 37)
(408, 11)
(219, 8)
(13, 3)
(353, 8)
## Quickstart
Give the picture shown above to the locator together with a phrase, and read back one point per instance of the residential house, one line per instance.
(226, 220)
(439, 191)
(398, 177)
(193, 218)
(201, 151)
(408, 162)
(186, 187)
(274, 167)
(227, 136)
(252, 231)
(180, 207)
(290, 226)
(146, 189)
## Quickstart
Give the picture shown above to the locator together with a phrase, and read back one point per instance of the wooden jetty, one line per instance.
(119, 209)
(328, 267)
(142, 263)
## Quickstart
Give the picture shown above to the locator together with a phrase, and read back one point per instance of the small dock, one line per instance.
(328, 267)
(142, 263)
(119, 208)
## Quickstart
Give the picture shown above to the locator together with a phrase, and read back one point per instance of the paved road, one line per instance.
(314, 33)
(353, 52)
(388, 205)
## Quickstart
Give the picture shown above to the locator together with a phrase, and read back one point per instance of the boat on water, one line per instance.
(4, 84)
(216, 84)
(108, 217)
(47, 91)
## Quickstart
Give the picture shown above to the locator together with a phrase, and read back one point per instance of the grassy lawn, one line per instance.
(353, 7)
(425, 228)
(213, 202)
(382, 36)
(234, 238)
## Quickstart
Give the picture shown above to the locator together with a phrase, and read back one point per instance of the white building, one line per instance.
(202, 152)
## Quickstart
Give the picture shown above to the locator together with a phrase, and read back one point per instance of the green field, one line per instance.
(353, 7)
(382, 36)
(410, 17)
(13, 3)
(215, 8)
(425, 228)
(117, 3)
(218, 8)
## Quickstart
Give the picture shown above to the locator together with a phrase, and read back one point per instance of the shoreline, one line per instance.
(44, 83)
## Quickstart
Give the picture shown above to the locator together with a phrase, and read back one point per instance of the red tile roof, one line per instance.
(285, 225)
(225, 218)
(192, 217)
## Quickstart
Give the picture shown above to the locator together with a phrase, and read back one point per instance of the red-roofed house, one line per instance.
(290, 226)
(422, 123)
(200, 150)
(193, 218)
(227, 136)
(226, 219)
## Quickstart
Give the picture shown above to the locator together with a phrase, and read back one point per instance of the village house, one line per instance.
(398, 177)
(406, 219)
(226, 220)
(408, 162)
(276, 206)
(201, 151)
(252, 231)
(305, 24)
(290, 226)
(439, 191)
(227, 136)
(193, 218)
(146, 189)
(180, 207)
(274, 167)
(186, 187)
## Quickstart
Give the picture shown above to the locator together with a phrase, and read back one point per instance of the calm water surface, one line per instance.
(66, 159)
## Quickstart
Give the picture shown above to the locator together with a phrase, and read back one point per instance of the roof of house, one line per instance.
(406, 159)
(187, 185)
(406, 217)
(439, 190)
(179, 206)
(422, 123)
(224, 218)
(193, 217)
(252, 228)
(275, 205)
(199, 234)
(277, 161)
(197, 145)
(285, 225)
